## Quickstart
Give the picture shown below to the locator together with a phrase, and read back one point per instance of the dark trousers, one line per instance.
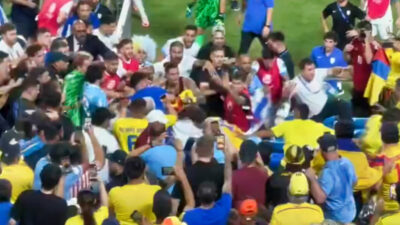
(247, 39)
(360, 104)
(330, 109)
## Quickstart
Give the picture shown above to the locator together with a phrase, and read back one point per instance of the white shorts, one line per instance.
(383, 26)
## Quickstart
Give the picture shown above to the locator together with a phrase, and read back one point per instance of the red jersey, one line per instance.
(130, 66)
(362, 70)
(377, 8)
(47, 17)
(111, 82)
(240, 115)
(272, 78)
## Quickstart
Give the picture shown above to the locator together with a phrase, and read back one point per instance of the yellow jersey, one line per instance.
(300, 132)
(128, 198)
(20, 176)
(99, 216)
(299, 214)
(394, 59)
(390, 219)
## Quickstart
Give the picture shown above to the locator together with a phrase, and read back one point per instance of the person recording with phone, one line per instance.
(93, 206)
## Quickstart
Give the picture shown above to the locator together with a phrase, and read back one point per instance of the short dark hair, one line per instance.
(58, 43)
(5, 190)
(95, 72)
(391, 115)
(216, 48)
(162, 204)
(29, 82)
(58, 151)
(344, 129)
(50, 176)
(138, 105)
(239, 75)
(134, 167)
(51, 129)
(156, 129)
(49, 96)
(276, 36)
(194, 113)
(136, 78)
(176, 44)
(305, 62)
(248, 151)
(123, 42)
(205, 146)
(36, 72)
(33, 49)
(331, 35)
(303, 110)
(83, 2)
(191, 27)
(110, 56)
(267, 53)
(207, 192)
(107, 19)
(364, 25)
(169, 65)
(6, 28)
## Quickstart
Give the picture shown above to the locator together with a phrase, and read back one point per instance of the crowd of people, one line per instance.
(96, 128)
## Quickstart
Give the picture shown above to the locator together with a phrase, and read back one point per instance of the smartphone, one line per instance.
(220, 142)
(95, 187)
(92, 172)
(88, 123)
(167, 171)
(136, 216)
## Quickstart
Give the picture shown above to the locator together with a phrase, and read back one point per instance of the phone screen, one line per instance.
(167, 171)
(136, 216)
(92, 172)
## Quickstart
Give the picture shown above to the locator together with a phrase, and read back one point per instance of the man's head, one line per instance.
(330, 41)
(157, 132)
(205, 147)
(43, 37)
(267, 57)
(83, 9)
(60, 153)
(218, 37)
(139, 81)
(138, 108)
(298, 188)
(207, 193)
(301, 111)
(176, 52)
(82, 61)
(238, 81)
(30, 87)
(344, 129)
(41, 74)
(390, 133)
(275, 41)
(51, 98)
(307, 67)
(134, 168)
(108, 24)
(362, 27)
(190, 35)
(59, 45)
(244, 63)
(50, 132)
(125, 48)
(217, 56)
(11, 151)
(328, 145)
(116, 161)
(35, 54)
(94, 73)
(171, 72)
(79, 30)
(102, 116)
(248, 152)
(9, 34)
(162, 205)
(50, 176)
(111, 61)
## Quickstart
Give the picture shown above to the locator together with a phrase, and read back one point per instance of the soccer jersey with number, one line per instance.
(128, 130)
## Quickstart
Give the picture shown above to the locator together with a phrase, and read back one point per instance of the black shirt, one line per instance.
(37, 208)
(101, 11)
(287, 58)
(204, 52)
(340, 25)
(116, 181)
(277, 188)
(198, 173)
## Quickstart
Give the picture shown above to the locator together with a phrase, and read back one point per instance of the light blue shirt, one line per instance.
(337, 180)
(93, 98)
(158, 157)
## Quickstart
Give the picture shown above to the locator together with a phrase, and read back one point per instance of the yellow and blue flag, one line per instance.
(379, 75)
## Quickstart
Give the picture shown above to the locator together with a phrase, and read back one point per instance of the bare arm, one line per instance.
(181, 176)
(98, 150)
(324, 24)
(227, 187)
(103, 194)
(140, 150)
(222, 7)
(268, 21)
(59, 191)
(317, 193)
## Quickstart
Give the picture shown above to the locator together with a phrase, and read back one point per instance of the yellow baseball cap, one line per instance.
(298, 185)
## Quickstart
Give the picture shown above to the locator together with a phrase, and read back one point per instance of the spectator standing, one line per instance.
(57, 65)
(276, 43)
(380, 15)
(43, 38)
(42, 206)
(334, 187)
(25, 105)
(108, 32)
(112, 84)
(218, 40)
(187, 39)
(257, 22)
(121, 197)
(9, 43)
(298, 210)
(116, 161)
(344, 15)
(93, 96)
(23, 14)
(100, 9)
(83, 12)
(328, 56)
(128, 64)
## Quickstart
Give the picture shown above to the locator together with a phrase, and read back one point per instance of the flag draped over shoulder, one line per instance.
(379, 75)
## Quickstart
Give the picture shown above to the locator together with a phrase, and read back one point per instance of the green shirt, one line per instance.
(73, 91)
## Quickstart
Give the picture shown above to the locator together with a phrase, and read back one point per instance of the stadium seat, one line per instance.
(275, 161)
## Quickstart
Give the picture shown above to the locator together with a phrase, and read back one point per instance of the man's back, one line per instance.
(128, 198)
(37, 208)
(20, 177)
(158, 157)
(299, 214)
(127, 130)
(277, 188)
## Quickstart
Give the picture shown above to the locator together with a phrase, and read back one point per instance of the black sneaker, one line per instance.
(235, 5)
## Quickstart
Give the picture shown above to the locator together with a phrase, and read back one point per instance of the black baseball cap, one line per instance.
(101, 115)
(118, 156)
(328, 143)
(9, 145)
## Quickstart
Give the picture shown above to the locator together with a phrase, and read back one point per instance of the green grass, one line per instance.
(298, 19)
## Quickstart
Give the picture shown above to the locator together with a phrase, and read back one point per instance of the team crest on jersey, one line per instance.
(267, 79)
